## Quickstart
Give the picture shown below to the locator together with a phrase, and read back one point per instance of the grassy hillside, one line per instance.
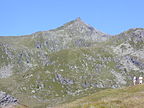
(72, 72)
(130, 97)
(57, 66)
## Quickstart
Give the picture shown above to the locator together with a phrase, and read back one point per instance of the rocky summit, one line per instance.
(48, 68)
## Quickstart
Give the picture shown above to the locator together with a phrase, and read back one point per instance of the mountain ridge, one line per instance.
(73, 22)
(52, 67)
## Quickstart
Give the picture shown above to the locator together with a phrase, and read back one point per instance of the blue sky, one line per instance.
(20, 17)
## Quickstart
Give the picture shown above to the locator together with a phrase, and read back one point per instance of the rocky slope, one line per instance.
(7, 101)
(51, 67)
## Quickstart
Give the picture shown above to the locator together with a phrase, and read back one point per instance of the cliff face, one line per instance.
(51, 67)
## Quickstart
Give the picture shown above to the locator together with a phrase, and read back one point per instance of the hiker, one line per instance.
(134, 80)
(140, 80)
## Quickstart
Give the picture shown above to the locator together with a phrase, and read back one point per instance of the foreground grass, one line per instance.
(131, 97)
(15, 106)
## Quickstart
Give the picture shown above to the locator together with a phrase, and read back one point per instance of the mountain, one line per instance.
(60, 65)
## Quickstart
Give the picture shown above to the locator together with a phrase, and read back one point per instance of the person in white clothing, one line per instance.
(134, 80)
(140, 80)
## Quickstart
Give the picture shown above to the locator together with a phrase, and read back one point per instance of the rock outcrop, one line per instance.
(7, 100)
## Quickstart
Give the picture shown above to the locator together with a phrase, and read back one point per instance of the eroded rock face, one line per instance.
(7, 100)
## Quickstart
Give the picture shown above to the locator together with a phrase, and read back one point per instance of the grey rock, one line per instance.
(63, 80)
(6, 99)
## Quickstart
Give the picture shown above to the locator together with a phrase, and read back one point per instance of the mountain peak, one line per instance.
(78, 20)
(76, 24)
(78, 27)
(73, 24)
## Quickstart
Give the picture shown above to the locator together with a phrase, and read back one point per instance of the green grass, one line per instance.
(74, 61)
(130, 97)
(45, 75)
(85, 59)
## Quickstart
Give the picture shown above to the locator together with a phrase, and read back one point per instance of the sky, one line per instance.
(21, 17)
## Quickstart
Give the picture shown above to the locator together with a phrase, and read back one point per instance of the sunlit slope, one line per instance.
(130, 97)
(57, 66)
